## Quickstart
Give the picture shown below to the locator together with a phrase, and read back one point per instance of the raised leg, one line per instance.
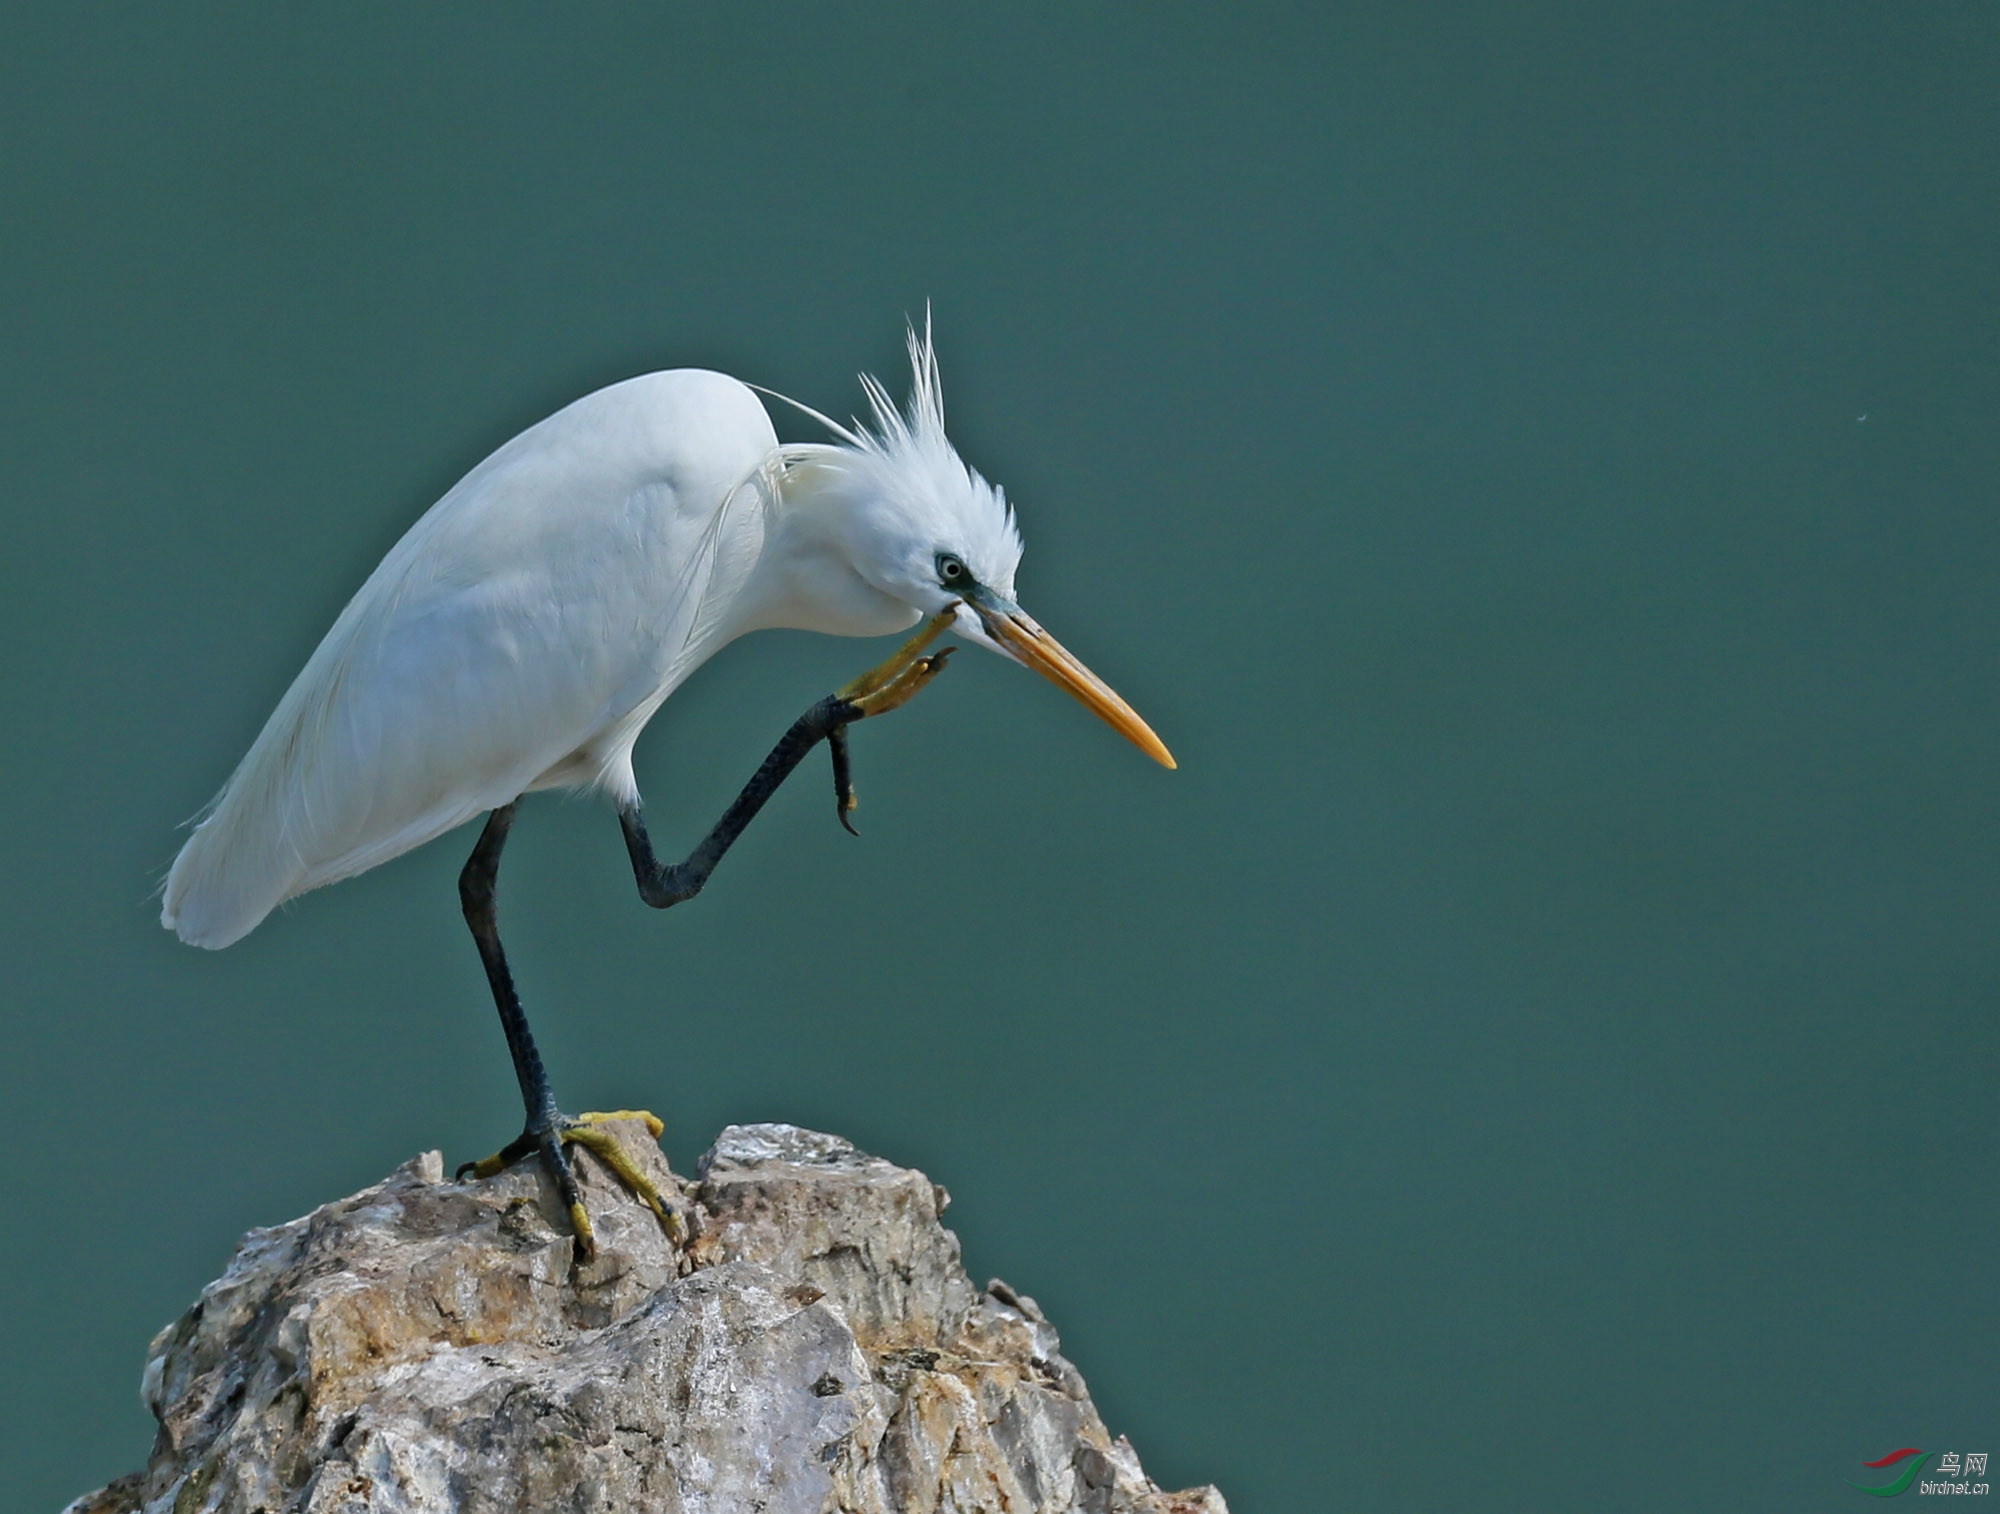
(876, 692)
(547, 1130)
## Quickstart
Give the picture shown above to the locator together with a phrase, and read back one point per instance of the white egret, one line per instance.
(523, 632)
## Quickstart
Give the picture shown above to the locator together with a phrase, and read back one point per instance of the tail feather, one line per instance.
(223, 883)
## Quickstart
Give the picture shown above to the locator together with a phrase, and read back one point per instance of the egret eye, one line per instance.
(950, 569)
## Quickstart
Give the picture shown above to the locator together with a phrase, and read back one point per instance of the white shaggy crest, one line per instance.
(904, 466)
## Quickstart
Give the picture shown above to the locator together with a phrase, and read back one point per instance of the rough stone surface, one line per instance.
(430, 1346)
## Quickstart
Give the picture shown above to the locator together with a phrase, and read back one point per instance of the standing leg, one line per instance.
(546, 1130)
(476, 885)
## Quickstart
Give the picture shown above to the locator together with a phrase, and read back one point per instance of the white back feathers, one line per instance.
(522, 632)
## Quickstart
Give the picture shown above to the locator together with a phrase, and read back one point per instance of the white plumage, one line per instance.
(525, 629)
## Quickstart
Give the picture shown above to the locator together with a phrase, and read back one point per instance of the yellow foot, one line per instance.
(895, 682)
(591, 1132)
(587, 1131)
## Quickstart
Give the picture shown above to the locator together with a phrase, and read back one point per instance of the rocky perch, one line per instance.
(428, 1345)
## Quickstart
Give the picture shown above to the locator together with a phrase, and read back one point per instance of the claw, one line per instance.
(655, 1126)
(902, 688)
(500, 1161)
(586, 1238)
(887, 672)
(589, 1132)
(844, 801)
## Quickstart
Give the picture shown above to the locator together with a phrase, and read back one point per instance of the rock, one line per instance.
(430, 1345)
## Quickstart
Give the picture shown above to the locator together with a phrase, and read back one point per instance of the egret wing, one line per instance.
(506, 643)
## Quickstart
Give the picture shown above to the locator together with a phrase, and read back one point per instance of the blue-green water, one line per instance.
(1536, 466)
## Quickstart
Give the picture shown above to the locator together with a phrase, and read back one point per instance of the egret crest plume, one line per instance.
(899, 473)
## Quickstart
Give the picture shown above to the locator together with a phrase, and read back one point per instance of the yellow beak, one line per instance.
(1015, 630)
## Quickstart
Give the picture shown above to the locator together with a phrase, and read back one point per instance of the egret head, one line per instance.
(924, 529)
(913, 519)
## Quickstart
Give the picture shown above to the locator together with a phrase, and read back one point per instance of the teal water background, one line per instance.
(1535, 464)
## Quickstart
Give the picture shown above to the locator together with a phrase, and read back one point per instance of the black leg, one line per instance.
(544, 1124)
(664, 886)
(476, 889)
(876, 692)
